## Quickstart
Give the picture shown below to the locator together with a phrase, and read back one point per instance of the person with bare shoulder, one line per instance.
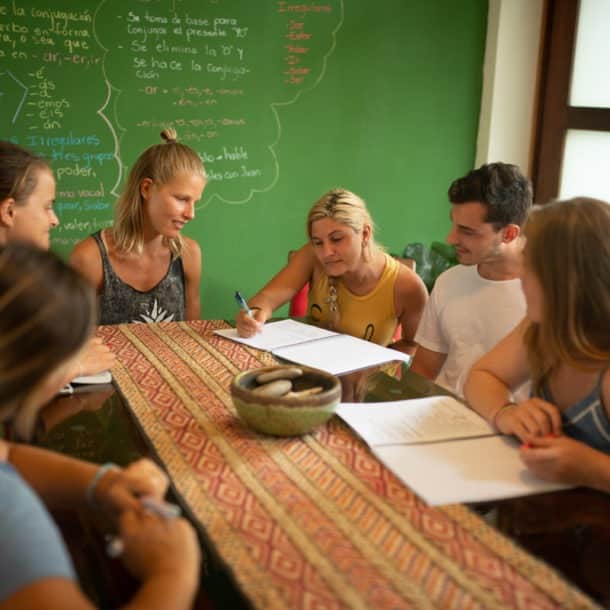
(47, 312)
(476, 303)
(563, 345)
(355, 287)
(142, 268)
(27, 194)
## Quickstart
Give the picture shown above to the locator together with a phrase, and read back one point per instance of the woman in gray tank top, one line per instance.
(143, 269)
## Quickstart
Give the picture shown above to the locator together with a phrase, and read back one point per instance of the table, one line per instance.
(311, 522)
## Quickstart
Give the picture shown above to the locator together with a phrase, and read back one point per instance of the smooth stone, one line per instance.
(307, 392)
(279, 387)
(290, 373)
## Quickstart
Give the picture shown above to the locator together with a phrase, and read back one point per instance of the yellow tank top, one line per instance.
(371, 316)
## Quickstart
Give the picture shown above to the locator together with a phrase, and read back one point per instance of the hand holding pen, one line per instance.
(156, 543)
(166, 510)
(242, 303)
(248, 320)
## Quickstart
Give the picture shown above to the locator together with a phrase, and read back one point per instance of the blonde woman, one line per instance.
(563, 345)
(142, 268)
(46, 316)
(27, 194)
(356, 288)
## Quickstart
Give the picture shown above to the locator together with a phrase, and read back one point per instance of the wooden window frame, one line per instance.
(555, 116)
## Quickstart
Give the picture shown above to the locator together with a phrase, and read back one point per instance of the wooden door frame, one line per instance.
(555, 116)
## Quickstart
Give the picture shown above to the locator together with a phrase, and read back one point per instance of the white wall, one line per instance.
(510, 74)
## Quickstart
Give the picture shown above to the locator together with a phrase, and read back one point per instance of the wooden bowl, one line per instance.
(286, 416)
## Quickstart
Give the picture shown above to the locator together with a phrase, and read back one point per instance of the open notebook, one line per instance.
(317, 347)
(443, 451)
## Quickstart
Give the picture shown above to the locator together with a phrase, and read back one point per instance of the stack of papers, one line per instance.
(443, 451)
(104, 377)
(317, 347)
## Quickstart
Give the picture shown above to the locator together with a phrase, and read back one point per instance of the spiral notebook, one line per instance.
(316, 347)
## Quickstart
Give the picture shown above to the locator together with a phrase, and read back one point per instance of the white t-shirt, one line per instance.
(465, 317)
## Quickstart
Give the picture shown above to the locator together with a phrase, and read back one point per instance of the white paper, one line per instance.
(470, 470)
(317, 347)
(420, 420)
(103, 377)
(278, 334)
(340, 354)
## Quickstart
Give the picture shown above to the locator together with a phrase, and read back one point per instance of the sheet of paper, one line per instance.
(340, 354)
(469, 470)
(420, 420)
(278, 334)
(103, 377)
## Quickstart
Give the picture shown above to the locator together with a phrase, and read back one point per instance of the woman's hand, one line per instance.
(121, 489)
(529, 419)
(158, 547)
(94, 358)
(248, 326)
(564, 460)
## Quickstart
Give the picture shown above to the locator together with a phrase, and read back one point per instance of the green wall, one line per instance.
(283, 100)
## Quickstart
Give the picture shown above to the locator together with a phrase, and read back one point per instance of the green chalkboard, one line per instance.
(282, 99)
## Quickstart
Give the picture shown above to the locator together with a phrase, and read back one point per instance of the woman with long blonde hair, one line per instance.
(356, 288)
(563, 345)
(142, 268)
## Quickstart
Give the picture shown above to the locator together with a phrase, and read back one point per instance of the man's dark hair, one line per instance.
(501, 187)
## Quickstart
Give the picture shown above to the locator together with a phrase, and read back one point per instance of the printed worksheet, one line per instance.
(421, 420)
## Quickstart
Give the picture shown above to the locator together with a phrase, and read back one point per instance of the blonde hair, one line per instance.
(348, 209)
(160, 163)
(47, 311)
(568, 250)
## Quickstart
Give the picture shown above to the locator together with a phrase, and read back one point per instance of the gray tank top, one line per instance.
(119, 303)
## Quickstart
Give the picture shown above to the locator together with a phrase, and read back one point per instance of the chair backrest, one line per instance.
(411, 263)
(298, 304)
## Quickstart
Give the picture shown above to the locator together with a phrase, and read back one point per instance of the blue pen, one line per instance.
(242, 303)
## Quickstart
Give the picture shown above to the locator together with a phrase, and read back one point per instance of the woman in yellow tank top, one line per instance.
(356, 288)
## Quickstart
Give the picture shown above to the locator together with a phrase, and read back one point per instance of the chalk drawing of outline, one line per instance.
(274, 106)
(23, 98)
(115, 137)
(100, 111)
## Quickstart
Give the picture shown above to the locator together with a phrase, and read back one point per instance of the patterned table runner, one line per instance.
(313, 522)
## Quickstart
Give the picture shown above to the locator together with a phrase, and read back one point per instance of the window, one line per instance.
(572, 151)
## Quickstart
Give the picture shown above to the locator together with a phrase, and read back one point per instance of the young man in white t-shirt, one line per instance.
(476, 303)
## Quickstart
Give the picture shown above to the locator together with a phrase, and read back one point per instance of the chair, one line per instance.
(298, 304)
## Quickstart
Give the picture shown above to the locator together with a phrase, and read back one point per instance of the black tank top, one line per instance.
(119, 303)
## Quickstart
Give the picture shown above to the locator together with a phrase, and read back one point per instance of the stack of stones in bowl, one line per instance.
(279, 382)
(285, 400)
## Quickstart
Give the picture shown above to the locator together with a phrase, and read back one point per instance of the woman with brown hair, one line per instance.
(563, 345)
(27, 194)
(47, 313)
